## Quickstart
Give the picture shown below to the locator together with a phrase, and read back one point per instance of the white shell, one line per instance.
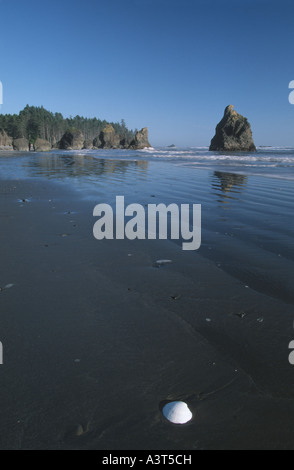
(177, 412)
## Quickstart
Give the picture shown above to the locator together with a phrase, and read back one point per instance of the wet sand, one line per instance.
(96, 337)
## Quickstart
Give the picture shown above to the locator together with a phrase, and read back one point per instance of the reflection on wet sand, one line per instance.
(59, 166)
(227, 184)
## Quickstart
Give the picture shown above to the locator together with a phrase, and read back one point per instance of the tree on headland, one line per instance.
(36, 122)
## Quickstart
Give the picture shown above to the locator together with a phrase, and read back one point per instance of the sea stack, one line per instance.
(73, 139)
(141, 140)
(233, 133)
(42, 145)
(108, 138)
(21, 145)
(5, 140)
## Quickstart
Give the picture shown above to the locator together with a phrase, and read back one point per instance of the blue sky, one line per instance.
(170, 65)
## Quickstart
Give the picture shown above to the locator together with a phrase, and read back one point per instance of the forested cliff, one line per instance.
(36, 122)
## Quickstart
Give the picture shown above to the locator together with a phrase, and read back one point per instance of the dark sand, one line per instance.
(94, 341)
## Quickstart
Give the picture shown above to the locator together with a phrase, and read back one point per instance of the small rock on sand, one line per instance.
(162, 262)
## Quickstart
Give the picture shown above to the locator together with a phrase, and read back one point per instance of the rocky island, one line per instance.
(233, 133)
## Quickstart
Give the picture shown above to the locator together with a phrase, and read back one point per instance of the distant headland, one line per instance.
(35, 128)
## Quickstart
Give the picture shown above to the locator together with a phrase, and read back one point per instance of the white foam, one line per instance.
(264, 147)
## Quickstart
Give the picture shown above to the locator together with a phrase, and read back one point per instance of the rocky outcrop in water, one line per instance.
(42, 145)
(21, 145)
(125, 142)
(5, 140)
(108, 138)
(141, 140)
(88, 144)
(72, 140)
(97, 143)
(233, 133)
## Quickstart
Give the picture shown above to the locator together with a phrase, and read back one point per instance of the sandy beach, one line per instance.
(96, 337)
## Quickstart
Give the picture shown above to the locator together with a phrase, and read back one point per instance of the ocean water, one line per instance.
(247, 198)
(274, 162)
(261, 162)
